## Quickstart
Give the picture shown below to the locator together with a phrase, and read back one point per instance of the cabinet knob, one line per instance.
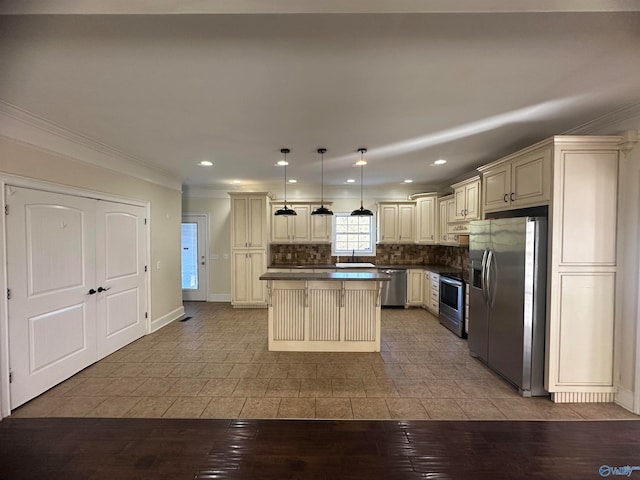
(505, 198)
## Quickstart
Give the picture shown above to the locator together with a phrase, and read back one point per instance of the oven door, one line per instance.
(452, 305)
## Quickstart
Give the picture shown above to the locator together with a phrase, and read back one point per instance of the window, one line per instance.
(353, 235)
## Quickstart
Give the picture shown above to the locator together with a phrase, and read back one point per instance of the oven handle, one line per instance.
(450, 281)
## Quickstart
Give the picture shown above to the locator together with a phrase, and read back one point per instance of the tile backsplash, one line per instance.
(320, 254)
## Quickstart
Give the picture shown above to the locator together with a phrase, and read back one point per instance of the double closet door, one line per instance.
(77, 286)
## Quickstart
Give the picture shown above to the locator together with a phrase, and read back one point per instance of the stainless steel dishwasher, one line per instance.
(394, 292)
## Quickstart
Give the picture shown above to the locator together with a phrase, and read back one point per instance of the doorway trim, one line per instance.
(7, 179)
(206, 249)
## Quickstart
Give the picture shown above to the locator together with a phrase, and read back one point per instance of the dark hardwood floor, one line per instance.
(118, 449)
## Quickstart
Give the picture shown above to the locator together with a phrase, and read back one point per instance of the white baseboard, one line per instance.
(219, 297)
(158, 323)
(624, 398)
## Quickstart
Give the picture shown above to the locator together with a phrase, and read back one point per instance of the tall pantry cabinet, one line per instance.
(249, 248)
(577, 176)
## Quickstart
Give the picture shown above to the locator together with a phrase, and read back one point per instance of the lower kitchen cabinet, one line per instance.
(414, 290)
(247, 290)
(434, 298)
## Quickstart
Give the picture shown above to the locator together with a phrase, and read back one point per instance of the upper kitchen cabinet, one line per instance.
(320, 226)
(467, 199)
(519, 180)
(396, 222)
(249, 227)
(426, 214)
(450, 232)
(291, 229)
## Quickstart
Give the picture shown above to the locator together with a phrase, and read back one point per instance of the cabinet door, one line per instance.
(443, 220)
(531, 179)
(406, 223)
(257, 288)
(239, 222)
(257, 222)
(299, 224)
(240, 287)
(426, 215)
(472, 201)
(426, 289)
(496, 188)
(279, 226)
(320, 227)
(415, 287)
(388, 223)
(459, 204)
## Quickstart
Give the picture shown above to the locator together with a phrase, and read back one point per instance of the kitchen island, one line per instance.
(324, 312)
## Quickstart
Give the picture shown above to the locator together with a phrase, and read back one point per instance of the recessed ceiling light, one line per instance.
(206, 163)
(291, 180)
(236, 181)
(440, 162)
(282, 163)
(351, 180)
(408, 181)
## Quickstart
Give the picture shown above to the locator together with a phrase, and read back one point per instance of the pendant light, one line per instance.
(361, 212)
(322, 210)
(285, 210)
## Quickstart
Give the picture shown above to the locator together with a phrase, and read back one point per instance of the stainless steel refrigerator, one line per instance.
(507, 298)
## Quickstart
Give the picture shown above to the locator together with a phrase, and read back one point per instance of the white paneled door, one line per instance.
(120, 276)
(77, 287)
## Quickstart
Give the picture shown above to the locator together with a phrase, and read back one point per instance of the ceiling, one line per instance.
(171, 90)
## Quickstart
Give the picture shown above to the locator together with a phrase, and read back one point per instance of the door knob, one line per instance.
(100, 289)
(91, 292)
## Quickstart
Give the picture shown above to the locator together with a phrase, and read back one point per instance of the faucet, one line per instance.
(353, 255)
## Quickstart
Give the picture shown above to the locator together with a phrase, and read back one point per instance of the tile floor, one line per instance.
(216, 365)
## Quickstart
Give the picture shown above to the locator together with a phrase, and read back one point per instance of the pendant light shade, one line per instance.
(361, 212)
(322, 210)
(285, 211)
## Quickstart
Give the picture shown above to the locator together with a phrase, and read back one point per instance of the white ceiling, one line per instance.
(171, 90)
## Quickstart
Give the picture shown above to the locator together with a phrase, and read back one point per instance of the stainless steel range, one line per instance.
(452, 302)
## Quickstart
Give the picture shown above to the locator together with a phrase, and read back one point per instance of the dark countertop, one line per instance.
(328, 276)
(436, 268)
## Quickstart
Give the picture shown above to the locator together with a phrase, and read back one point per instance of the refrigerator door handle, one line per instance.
(488, 279)
(483, 276)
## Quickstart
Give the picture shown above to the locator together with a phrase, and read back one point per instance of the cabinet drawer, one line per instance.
(435, 296)
(435, 285)
(434, 305)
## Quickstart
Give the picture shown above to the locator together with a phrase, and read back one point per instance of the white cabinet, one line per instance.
(426, 289)
(450, 232)
(520, 180)
(291, 228)
(414, 290)
(320, 227)
(247, 289)
(300, 228)
(396, 222)
(467, 199)
(583, 263)
(249, 220)
(426, 214)
(434, 293)
(249, 239)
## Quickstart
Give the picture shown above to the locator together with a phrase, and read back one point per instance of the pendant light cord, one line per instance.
(322, 179)
(361, 182)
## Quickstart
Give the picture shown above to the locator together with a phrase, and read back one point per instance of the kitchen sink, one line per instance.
(355, 265)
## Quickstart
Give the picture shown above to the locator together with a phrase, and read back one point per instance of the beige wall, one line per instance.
(165, 207)
(218, 210)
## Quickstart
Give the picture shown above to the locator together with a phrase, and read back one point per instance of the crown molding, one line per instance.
(106, 7)
(25, 127)
(609, 120)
